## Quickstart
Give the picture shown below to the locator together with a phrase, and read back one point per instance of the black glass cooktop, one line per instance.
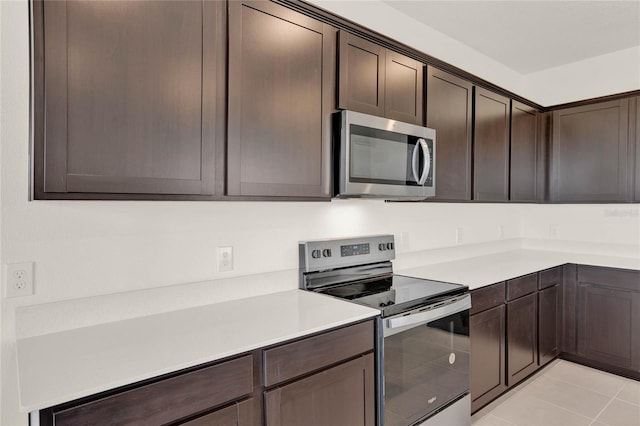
(395, 293)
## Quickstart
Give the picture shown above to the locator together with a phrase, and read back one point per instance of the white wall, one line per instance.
(616, 72)
(600, 224)
(94, 248)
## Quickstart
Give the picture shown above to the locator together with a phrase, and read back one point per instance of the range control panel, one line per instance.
(321, 255)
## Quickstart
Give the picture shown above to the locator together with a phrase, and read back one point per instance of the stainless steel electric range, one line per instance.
(423, 330)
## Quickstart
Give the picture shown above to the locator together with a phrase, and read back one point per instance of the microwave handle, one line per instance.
(414, 161)
(427, 161)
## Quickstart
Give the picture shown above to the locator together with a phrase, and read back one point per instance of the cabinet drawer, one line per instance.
(550, 277)
(304, 356)
(167, 400)
(487, 297)
(522, 286)
(610, 277)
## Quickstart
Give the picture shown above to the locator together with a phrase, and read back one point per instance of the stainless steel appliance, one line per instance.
(423, 331)
(382, 158)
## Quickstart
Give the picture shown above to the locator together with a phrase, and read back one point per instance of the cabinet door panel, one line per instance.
(609, 325)
(449, 102)
(277, 138)
(403, 88)
(589, 153)
(491, 147)
(524, 153)
(549, 323)
(362, 75)
(487, 332)
(522, 340)
(125, 111)
(340, 396)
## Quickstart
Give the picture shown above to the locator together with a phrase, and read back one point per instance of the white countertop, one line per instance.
(60, 367)
(480, 271)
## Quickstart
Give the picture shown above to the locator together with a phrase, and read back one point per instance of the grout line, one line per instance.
(565, 408)
(601, 411)
(504, 420)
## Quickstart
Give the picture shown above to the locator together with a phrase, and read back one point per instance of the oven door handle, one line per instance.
(430, 315)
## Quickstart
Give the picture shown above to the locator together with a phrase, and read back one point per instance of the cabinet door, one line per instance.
(589, 153)
(524, 153)
(609, 325)
(487, 333)
(132, 96)
(491, 147)
(449, 101)
(549, 323)
(404, 97)
(238, 414)
(280, 85)
(342, 395)
(361, 75)
(522, 338)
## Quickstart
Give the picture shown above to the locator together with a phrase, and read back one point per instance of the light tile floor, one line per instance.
(566, 394)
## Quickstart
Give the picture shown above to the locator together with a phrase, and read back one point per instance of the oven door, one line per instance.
(385, 158)
(426, 362)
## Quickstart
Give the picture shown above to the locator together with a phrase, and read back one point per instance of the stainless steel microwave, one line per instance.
(382, 158)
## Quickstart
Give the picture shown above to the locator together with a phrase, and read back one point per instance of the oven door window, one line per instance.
(425, 368)
(384, 157)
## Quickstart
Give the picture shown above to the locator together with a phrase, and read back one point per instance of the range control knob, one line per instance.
(316, 254)
(382, 247)
(326, 252)
(389, 246)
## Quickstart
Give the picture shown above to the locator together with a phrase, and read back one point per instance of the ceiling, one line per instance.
(530, 36)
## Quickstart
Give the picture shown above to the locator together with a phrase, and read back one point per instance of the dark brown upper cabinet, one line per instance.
(378, 81)
(449, 111)
(491, 146)
(133, 95)
(526, 154)
(589, 153)
(281, 94)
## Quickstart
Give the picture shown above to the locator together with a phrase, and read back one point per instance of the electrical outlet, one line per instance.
(459, 238)
(19, 279)
(225, 259)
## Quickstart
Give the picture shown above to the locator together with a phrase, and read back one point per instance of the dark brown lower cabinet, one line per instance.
(601, 316)
(515, 328)
(609, 325)
(487, 331)
(549, 317)
(342, 395)
(522, 339)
